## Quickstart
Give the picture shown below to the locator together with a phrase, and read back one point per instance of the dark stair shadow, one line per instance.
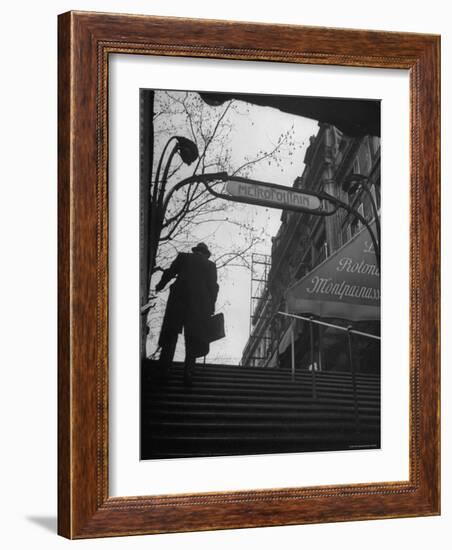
(233, 410)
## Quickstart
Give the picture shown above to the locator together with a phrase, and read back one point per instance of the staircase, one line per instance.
(231, 410)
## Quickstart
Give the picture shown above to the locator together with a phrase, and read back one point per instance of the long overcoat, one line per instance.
(191, 300)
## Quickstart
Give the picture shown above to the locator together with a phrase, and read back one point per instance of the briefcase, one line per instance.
(215, 328)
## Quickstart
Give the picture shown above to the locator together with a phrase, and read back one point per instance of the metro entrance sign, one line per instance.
(265, 194)
(275, 196)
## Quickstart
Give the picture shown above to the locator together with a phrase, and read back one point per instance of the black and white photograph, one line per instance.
(259, 274)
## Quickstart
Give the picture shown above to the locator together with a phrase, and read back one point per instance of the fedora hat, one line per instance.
(202, 249)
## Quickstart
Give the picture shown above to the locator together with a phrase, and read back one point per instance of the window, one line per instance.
(320, 247)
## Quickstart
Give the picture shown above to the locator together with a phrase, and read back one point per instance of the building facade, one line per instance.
(303, 242)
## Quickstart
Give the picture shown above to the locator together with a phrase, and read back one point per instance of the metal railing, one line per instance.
(350, 331)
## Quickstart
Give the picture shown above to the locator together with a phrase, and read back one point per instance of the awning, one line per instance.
(345, 286)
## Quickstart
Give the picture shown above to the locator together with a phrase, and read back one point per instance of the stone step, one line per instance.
(247, 429)
(225, 417)
(181, 399)
(205, 381)
(257, 373)
(233, 393)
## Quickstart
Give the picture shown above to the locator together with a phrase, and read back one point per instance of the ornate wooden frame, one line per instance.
(85, 42)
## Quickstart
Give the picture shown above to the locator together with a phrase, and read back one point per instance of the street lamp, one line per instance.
(353, 183)
(188, 152)
(354, 212)
(337, 203)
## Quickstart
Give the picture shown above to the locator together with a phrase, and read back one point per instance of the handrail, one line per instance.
(339, 327)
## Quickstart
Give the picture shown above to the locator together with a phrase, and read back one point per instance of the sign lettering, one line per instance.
(277, 197)
(346, 285)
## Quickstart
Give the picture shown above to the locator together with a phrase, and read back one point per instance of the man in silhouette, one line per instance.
(190, 305)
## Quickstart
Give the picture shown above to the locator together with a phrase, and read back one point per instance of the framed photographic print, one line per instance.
(248, 275)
